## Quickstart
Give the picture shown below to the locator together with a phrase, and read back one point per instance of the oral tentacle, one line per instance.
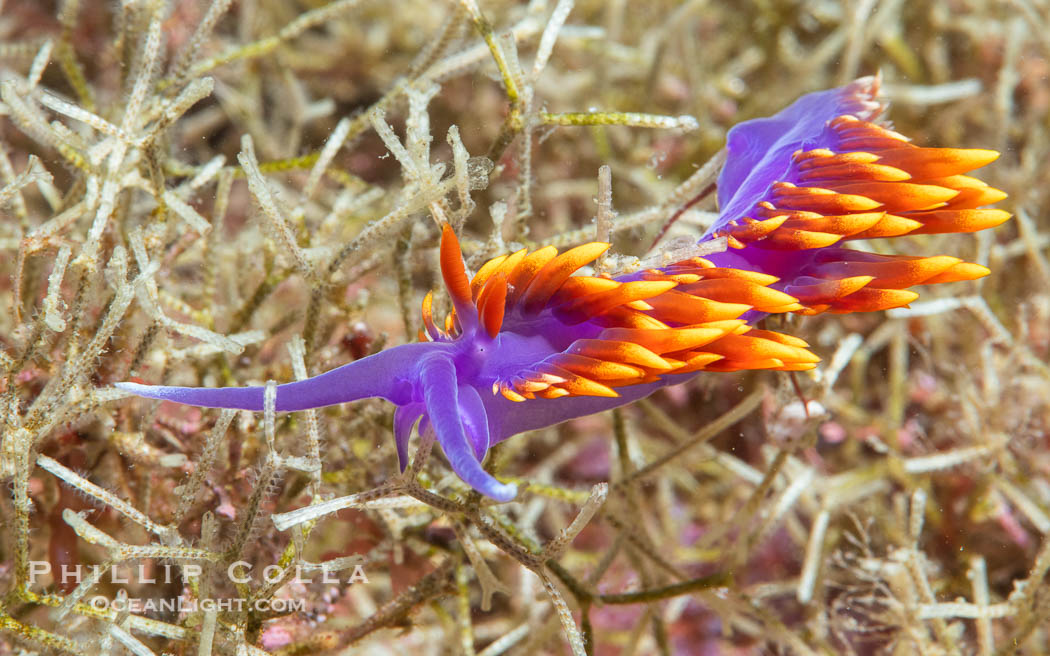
(475, 420)
(441, 398)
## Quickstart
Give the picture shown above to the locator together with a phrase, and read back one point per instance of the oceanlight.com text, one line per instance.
(134, 605)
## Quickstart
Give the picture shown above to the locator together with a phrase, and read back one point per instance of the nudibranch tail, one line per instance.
(820, 173)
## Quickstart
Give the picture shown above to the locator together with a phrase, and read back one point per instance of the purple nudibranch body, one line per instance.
(529, 344)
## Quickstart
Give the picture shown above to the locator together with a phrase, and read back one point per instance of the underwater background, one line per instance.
(227, 193)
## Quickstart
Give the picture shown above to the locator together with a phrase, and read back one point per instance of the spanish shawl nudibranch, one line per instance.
(529, 344)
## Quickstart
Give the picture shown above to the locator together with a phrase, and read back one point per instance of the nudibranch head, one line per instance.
(822, 171)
